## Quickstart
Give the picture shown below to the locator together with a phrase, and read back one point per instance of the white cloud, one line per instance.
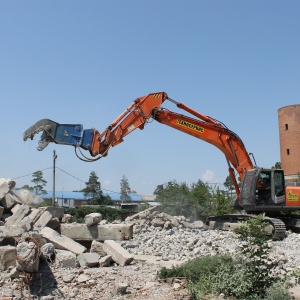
(208, 176)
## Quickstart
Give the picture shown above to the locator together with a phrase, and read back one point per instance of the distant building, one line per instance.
(289, 129)
(74, 199)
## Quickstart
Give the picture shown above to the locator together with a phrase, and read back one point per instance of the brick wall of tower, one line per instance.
(289, 137)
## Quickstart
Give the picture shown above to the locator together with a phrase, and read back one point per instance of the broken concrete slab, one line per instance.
(62, 241)
(43, 220)
(117, 252)
(14, 231)
(18, 215)
(82, 232)
(88, 259)
(8, 255)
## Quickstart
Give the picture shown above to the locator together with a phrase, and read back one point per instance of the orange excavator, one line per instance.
(262, 190)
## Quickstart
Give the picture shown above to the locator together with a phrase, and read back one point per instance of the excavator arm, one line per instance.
(136, 116)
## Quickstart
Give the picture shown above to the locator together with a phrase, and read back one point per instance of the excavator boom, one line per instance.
(136, 115)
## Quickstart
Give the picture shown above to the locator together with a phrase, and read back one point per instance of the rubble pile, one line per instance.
(43, 255)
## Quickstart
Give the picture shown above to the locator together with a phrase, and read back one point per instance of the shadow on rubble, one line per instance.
(41, 283)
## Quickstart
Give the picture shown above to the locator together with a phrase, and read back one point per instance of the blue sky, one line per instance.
(86, 61)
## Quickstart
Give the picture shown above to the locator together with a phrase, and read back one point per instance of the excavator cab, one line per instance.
(263, 189)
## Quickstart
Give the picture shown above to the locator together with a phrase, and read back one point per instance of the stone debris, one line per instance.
(92, 219)
(45, 256)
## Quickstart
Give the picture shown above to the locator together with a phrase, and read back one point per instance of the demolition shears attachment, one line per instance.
(65, 134)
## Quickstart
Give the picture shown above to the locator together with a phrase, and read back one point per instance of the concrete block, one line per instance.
(65, 259)
(8, 255)
(55, 211)
(62, 241)
(28, 257)
(43, 220)
(92, 219)
(35, 214)
(117, 252)
(82, 232)
(88, 259)
(18, 215)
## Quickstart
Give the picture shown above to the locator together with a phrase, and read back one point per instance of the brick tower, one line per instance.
(289, 137)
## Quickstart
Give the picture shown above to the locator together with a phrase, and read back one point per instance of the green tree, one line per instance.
(175, 198)
(277, 165)
(124, 189)
(202, 199)
(228, 183)
(26, 187)
(93, 188)
(39, 183)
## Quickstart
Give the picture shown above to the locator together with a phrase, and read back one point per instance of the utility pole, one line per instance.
(53, 191)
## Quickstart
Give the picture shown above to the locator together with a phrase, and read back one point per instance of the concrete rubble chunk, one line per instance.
(15, 208)
(62, 241)
(28, 257)
(88, 259)
(8, 255)
(34, 215)
(97, 247)
(92, 219)
(117, 252)
(55, 211)
(82, 232)
(137, 216)
(18, 215)
(47, 251)
(65, 259)
(13, 230)
(105, 261)
(67, 218)
(43, 220)
(121, 287)
(4, 187)
(53, 223)
(9, 201)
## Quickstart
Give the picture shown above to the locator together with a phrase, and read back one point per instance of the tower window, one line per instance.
(286, 126)
(288, 151)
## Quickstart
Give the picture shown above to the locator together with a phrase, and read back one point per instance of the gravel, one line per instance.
(139, 280)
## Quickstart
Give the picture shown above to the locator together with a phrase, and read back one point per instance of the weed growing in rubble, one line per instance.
(245, 276)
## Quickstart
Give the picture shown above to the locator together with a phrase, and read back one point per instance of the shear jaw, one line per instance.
(46, 126)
